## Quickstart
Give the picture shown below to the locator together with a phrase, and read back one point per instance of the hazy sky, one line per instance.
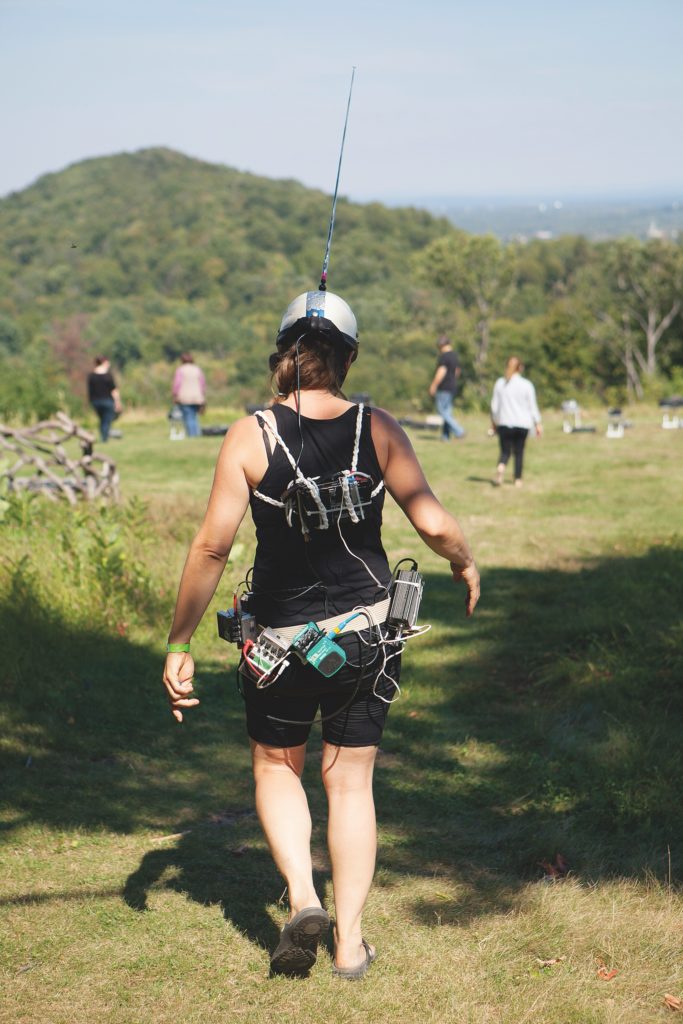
(452, 97)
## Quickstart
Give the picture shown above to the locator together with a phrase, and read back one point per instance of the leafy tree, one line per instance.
(644, 296)
(143, 255)
(11, 335)
(115, 334)
(71, 349)
(478, 272)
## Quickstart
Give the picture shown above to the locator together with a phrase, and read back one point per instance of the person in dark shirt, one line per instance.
(444, 387)
(103, 395)
(333, 569)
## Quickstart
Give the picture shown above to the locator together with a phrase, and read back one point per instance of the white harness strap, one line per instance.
(356, 440)
(354, 463)
(268, 500)
(310, 484)
(346, 497)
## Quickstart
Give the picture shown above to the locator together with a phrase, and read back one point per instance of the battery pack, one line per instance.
(228, 623)
(406, 595)
(236, 627)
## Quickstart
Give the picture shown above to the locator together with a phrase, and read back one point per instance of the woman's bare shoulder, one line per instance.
(384, 420)
(243, 446)
(243, 428)
(386, 426)
(242, 438)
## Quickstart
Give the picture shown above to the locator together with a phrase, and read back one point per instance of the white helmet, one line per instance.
(319, 311)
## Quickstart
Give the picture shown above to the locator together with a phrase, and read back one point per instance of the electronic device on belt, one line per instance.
(318, 649)
(237, 625)
(265, 654)
(406, 596)
(266, 657)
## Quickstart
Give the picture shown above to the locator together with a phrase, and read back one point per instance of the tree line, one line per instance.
(142, 256)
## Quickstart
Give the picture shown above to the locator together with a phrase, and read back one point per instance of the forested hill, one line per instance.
(143, 255)
(149, 253)
(158, 220)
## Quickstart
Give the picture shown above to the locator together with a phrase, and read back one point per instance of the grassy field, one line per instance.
(136, 886)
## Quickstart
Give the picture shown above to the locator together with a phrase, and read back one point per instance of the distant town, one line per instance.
(548, 217)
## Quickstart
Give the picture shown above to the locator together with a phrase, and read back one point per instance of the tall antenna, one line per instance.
(326, 261)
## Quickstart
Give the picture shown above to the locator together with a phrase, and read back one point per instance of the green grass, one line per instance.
(136, 884)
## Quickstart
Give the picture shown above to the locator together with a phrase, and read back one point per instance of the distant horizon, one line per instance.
(532, 196)
(545, 195)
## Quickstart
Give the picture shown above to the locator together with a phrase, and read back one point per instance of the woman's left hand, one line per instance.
(470, 577)
(178, 676)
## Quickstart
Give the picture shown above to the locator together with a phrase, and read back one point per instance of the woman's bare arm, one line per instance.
(208, 555)
(407, 484)
(210, 548)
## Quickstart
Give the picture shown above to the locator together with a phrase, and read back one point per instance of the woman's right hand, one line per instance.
(178, 676)
(470, 577)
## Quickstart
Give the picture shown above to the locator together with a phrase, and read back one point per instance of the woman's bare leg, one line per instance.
(282, 808)
(352, 840)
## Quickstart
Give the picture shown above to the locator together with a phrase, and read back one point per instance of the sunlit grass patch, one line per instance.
(136, 883)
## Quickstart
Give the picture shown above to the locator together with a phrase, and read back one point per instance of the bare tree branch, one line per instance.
(41, 449)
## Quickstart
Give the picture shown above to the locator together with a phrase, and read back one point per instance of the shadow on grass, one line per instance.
(550, 722)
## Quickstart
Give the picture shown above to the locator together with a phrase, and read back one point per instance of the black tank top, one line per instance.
(297, 580)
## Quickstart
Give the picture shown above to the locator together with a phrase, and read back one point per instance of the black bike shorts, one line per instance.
(351, 714)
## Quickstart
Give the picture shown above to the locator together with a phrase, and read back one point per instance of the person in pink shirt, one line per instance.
(189, 393)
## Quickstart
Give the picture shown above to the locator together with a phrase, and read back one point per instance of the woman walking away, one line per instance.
(514, 412)
(103, 395)
(314, 469)
(189, 392)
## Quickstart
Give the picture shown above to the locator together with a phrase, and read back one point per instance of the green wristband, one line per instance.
(177, 648)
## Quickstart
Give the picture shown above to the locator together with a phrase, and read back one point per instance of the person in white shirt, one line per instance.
(514, 412)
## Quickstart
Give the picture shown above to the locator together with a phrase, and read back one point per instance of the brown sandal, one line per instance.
(298, 946)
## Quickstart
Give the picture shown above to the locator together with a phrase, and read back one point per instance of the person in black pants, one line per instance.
(512, 441)
(103, 395)
(514, 412)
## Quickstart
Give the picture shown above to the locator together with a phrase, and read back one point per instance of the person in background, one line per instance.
(189, 392)
(514, 412)
(103, 395)
(444, 387)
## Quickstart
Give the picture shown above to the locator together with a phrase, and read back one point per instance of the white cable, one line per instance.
(282, 664)
(382, 672)
(418, 631)
(357, 557)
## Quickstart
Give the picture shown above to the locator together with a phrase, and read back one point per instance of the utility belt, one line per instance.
(374, 614)
(267, 651)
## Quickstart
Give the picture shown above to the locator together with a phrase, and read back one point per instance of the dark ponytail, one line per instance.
(322, 366)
